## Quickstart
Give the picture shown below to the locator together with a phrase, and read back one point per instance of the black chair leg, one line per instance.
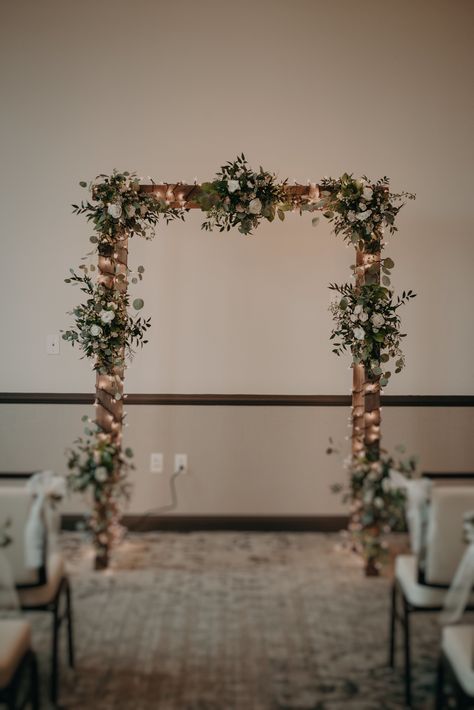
(393, 623)
(407, 653)
(35, 701)
(70, 629)
(54, 653)
(439, 701)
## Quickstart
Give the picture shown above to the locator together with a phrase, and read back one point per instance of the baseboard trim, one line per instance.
(239, 400)
(247, 523)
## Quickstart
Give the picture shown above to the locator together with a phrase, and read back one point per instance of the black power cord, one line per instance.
(137, 527)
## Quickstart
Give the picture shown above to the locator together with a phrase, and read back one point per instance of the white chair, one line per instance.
(41, 588)
(17, 664)
(456, 666)
(421, 581)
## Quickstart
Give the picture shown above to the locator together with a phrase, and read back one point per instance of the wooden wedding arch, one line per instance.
(124, 207)
(365, 391)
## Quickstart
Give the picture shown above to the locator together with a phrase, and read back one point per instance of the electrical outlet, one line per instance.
(156, 463)
(52, 344)
(181, 463)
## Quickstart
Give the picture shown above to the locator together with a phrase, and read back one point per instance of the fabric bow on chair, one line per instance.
(418, 494)
(45, 487)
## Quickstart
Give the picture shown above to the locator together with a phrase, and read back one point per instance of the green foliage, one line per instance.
(103, 328)
(377, 505)
(97, 466)
(360, 210)
(367, 324)
(117, 207)
(241, 198)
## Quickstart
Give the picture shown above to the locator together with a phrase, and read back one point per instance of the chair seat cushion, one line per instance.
(457, 645)
(44, 594)
(15, 641)
(419, 595)
(406, 572)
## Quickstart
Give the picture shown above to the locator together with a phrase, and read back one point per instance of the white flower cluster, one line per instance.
(115, 209)
(360, 316)
(249, 202)
(365, 210)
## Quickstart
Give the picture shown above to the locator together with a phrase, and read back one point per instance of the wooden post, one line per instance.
(109, 406)
(366, 425)
(372, 417)
(358, 378)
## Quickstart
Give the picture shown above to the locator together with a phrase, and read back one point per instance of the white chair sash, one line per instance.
(418, 493)
(460, 589)
(41, 527)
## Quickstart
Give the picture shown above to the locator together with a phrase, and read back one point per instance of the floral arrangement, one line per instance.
(107, 333)
(92, 463)
(377, 505)
(361, 210)
(119, 207)
(98, 468)
(368, 325)
(241, 198)
(104, 329)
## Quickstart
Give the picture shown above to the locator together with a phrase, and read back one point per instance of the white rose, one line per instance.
(101, 474)
(358, 309)
(106, 316)
(255, 206)
(378, 502)
(95, 330)
(233, 185)
(351, 216)
(364, 215)
(115, 209)
(367, 193)
(363, 317)
(359, 333)
(378, 320)
(130, 210)
(387, 485)
(354, 317)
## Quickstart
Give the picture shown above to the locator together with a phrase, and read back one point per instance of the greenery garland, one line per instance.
(241, 198)
(368, 325)
(107, 333)
(361, 210)
(377, 505)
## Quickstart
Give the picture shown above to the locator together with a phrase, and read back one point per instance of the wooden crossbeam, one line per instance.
(183, 195)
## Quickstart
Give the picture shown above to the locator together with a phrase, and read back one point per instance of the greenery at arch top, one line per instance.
(366, 322)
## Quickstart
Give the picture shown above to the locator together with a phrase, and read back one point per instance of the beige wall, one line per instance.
(172, 90)
(242, 460)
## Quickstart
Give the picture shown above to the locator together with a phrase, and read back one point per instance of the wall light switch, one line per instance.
(156, 463)
(52, 344)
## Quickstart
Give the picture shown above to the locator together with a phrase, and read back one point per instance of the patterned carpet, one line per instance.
(233, 621)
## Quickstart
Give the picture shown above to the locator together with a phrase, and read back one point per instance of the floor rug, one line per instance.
(233, 621)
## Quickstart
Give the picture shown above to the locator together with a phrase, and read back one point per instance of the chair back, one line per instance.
(15, 506)
(444, 541)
